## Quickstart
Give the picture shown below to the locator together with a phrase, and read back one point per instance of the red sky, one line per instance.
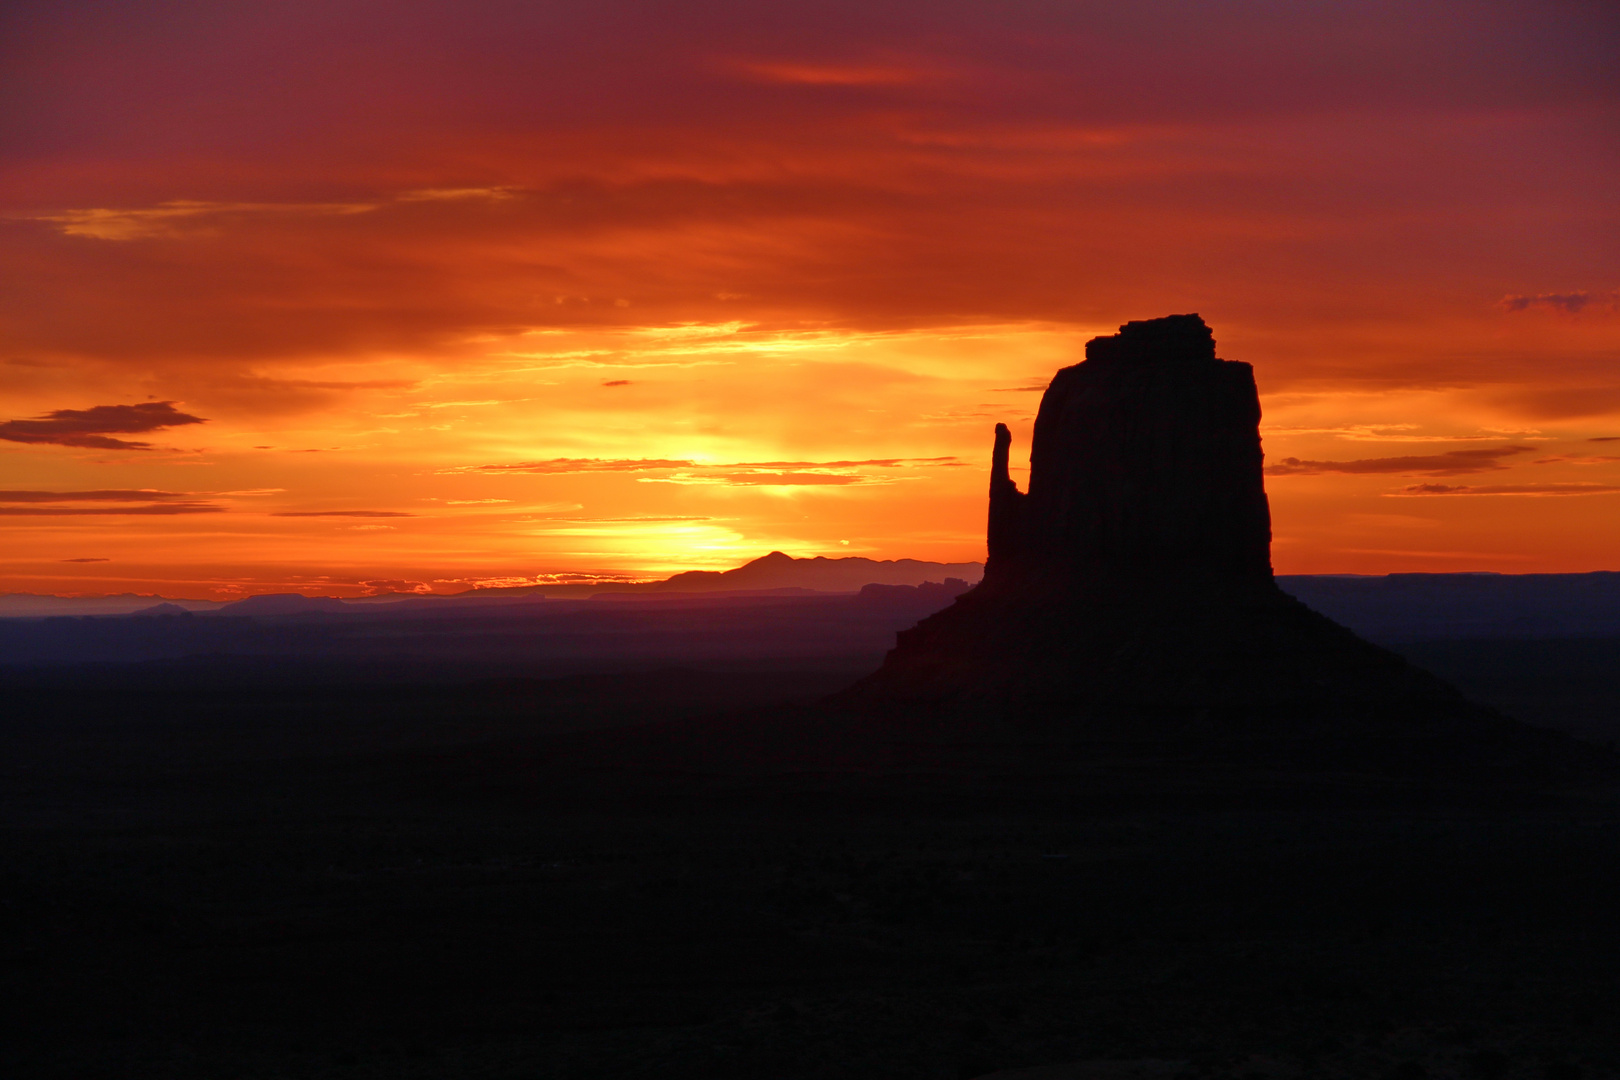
(311, 295)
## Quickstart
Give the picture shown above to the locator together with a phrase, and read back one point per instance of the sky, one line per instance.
(349, 297)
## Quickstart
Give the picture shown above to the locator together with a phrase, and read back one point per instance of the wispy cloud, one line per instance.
(1451, 463)
(770, 479)
(107, 495)
(580, 465)
(109, 223)
(806, 74)
(342, 513)
(1571, 303)
(456, 194)
(150, 509)
(1405, 433)
(123, 501)
(1578, 459)
(640, 519)
(886, 463)
(1507, 489)
(843, 473)
(383, 586)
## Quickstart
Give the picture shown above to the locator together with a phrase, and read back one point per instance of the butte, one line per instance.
(1129, 591)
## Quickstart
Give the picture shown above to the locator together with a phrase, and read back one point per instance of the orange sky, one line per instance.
(350, 296)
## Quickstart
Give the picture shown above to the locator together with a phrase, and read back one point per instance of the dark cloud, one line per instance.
(343, 513)
(1509, 489)
(93, 559)
(617, 382)
(108, 495)
(92, 427)
(140, 501)
(1571, 303)
(1604, 438)
(1451, 463)
(158, 509)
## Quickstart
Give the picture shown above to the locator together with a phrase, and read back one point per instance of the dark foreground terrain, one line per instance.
(222, 868)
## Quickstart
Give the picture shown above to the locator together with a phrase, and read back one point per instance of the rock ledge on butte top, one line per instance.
(1132, 582)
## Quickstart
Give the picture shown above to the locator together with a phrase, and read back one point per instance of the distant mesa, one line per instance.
(283, 604)
(939, 592)
(1132, 583)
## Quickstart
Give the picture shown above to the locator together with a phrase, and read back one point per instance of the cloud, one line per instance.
(158, 509)
(768, 479)
(343, 513)
(92, 559)
(1575, 459)
(888, 463)
(1572, 303)
(127, 501)
(1507, 489)
(1451, 463)
(831, 74)
(1604, 438)
(635, 465)
(644, 518)
(91, 427)
(843, 473)
(443, 194)
(382, 586)
(581, 465)
(108, 495)
(167, 219)
(1404, 433)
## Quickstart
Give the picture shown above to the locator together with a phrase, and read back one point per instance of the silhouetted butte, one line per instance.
(1131, 584)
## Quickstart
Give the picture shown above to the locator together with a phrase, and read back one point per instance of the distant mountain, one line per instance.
(37, 606)
(163, 610)
(773, 572)
(779, 571)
